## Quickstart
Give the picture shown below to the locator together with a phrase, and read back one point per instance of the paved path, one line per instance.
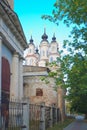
(77, 125)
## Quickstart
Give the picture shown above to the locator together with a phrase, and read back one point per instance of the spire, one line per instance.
(31, 40)
(44, 30)
(54, 38)
(44, 36)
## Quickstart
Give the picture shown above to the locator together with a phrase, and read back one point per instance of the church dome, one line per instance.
(44, 36)
(31, 41)
(53, 38)
(37, 51)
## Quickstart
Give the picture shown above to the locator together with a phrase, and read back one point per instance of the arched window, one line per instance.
(43, 53)
(31, 61)
(39, 92)
(53, 48)
(51, 59)
(30, 50)
(46, 53)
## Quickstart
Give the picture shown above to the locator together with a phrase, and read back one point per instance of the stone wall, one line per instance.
(31, 83)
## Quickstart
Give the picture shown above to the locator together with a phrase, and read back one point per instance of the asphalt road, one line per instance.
(77, 125)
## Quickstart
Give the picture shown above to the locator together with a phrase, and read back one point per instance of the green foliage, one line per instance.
(74, 64)
(55, 73)
(70, 11)
(45, 79)
(42, 78)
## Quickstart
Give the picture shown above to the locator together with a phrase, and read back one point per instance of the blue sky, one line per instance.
(30, 12)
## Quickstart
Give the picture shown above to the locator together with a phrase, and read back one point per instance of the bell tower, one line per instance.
(11, 3)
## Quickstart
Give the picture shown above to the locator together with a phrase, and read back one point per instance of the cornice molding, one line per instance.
(9, 17)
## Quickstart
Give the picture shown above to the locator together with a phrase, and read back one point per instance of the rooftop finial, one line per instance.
(44, 30)
(54, 35)
(44, 36)
(37, 50)
(53, 38)
(31, 40)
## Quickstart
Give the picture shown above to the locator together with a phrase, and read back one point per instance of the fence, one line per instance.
(22, 115)
(34, 116)
(42, 117)
(11, 115)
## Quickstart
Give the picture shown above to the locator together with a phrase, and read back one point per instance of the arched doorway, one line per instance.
(5, 90)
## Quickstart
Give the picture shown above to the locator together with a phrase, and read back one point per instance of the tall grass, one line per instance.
(62, 125)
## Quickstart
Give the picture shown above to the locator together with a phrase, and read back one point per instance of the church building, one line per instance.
(36, 68)
(12, 45)
(47, 52)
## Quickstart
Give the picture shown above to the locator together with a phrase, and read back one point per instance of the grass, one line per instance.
(61, 125)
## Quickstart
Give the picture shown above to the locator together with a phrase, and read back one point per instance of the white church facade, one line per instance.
(46, 53)
(12, 45)
(36, 67)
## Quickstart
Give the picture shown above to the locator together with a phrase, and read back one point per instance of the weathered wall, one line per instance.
(31, 83)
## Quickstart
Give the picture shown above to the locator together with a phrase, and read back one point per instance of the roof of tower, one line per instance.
(31, 41)
(53, 38)
(37, 51)
(44, 36)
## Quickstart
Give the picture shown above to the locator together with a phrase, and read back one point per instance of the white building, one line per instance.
(12, 45)
(48, 52)
(35, 89)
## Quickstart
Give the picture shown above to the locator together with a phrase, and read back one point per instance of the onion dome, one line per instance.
(54, 38)
(31, 41)
(44, 36)
(36, 51)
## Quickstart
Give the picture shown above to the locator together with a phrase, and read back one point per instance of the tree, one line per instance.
(73, 64)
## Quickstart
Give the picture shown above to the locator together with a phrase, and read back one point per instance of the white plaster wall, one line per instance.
(31, 49)
(10, 38)
(7, 54)
(31, 60)
(44, 47)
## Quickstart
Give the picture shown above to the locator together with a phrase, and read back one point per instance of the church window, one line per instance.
(43, 53)
(47, 53)
(31, 61)
(39, 92)
(53, 48)
(51, 59)
(30, 50)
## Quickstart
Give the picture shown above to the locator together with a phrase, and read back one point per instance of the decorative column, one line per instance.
(15, 76)
(20, 89)
(42, 117)
(25, 114)
(0, 63)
